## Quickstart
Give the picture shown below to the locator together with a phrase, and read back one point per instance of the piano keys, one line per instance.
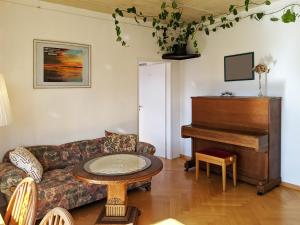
(250, 127)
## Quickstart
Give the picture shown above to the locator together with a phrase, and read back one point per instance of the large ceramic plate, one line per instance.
(117, 164)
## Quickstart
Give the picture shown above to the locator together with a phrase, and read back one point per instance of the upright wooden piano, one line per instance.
(248, 126)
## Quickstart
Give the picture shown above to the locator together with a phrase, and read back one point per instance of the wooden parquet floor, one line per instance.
(176, 194)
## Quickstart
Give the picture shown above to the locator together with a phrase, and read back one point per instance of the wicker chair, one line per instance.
(22, 207)
(57, 216)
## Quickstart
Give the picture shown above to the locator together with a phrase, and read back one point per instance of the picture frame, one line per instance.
(239, 67)
(61, 64)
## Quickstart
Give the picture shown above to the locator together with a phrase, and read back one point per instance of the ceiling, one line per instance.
(192, 9)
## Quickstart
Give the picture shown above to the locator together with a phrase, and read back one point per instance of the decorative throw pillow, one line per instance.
(25, 160)
(108, 133)
(119, 142)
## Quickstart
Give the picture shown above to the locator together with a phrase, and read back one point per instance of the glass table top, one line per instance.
(117, 164)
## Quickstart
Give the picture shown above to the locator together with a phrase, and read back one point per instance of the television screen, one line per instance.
(239, 67)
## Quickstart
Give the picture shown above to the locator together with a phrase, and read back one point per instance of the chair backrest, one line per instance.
(57, 216)
(22, 207)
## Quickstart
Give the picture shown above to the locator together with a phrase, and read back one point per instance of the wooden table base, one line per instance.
(130, 218)
(116, 210)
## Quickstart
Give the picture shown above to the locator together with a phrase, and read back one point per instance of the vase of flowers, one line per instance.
(261, 69)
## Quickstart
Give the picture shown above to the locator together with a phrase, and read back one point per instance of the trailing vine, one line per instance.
(172, 31)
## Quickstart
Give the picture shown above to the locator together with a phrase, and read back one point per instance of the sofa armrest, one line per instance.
(10, 177)
(144, 147)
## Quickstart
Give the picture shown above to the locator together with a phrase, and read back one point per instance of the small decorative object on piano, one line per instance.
(227, 93)
(260, 69)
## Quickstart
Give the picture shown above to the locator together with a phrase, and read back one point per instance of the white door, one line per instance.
(152, 106)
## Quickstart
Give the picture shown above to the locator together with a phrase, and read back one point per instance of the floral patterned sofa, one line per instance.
(58, 186)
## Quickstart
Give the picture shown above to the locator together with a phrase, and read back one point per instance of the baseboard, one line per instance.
(185, 157)
(290, 186)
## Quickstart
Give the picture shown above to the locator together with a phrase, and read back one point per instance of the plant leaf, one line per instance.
(118, 30)
(195, 43)
(247, 5)
(289, 16)
(131, 10)
(231, 7)
(268, 2)
(119, 12)
(260, 15)
(136, 20)
(206, 31)
(154, 22)
(211, 19)
(274, 19)
(235, 12)
(174, 4)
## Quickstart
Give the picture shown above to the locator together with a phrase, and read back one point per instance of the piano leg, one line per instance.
(263, 187)
(189, 164)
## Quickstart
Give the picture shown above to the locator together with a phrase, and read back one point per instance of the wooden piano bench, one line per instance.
(217, 157)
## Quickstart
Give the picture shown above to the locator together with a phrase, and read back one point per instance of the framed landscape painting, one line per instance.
(61, 64)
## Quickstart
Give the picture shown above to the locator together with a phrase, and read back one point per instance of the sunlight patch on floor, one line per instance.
(169, 222)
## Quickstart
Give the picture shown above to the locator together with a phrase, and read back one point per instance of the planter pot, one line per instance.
(179, 53)
(179, 49)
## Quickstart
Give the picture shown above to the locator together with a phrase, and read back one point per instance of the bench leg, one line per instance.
(234, 171)
(197, 168)
(207, 169)
(224, 176)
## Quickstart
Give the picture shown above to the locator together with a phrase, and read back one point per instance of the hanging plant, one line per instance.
(172, 32)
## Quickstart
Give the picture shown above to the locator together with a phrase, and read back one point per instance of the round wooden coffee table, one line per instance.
(117, 171)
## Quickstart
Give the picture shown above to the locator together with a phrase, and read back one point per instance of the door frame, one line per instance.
(168, 153)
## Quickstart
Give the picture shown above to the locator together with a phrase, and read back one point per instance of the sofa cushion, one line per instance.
(59, 188)
(87, 148)
(54, 157)
(25, 160)
(119, 142)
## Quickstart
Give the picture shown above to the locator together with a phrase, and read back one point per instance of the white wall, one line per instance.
(175, 110)
(55, 116)
(274, 43)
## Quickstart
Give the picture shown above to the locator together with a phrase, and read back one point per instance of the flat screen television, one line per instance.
(239, 67)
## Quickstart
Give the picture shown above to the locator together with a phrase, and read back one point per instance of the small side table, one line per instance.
(217, 157)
